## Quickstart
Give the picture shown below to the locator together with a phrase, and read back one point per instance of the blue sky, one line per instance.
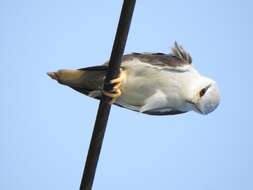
(45, 128)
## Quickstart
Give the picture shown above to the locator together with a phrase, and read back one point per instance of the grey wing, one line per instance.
(93, 81)
(178, 57)
(157, 112)
(154, 111)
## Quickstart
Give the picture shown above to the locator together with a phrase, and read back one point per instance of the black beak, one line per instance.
(190, 102)
(194, 105)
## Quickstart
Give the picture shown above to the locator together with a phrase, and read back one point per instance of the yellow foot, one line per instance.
(116, 91)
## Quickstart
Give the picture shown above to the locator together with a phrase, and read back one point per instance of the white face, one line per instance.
(207, 97)
(210, 100)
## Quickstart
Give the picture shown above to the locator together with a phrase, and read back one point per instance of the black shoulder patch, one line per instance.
(95, 68)
(178, 57)
(154, 112)
(158, 53)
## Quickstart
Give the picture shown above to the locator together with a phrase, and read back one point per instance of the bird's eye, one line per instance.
(202, 92)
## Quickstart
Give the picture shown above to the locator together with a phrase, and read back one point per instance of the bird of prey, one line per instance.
(150, 83)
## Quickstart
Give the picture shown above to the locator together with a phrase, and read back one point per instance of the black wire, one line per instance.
(104, 107)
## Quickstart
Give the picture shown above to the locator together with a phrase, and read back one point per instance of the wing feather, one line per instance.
(178, 57)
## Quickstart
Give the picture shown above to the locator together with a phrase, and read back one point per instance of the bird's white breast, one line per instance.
(162, 87)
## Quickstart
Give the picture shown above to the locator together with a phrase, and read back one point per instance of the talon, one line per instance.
(116, 91)
(117, 86)
(117, 94)
(114, 94)
(118, 79)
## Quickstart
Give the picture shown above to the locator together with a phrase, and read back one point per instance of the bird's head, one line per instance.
(206, 97)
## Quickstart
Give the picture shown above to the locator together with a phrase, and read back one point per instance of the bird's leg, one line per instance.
(115, 92)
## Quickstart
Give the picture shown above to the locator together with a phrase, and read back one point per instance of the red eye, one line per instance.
(202, 92)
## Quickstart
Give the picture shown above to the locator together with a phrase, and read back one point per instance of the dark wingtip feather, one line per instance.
(180, 53)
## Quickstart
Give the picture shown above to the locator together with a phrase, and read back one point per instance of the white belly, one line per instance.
(146, 87)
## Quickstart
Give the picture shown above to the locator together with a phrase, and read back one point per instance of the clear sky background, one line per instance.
(45, 128)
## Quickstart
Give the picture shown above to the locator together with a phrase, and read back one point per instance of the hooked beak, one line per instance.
(194, 105)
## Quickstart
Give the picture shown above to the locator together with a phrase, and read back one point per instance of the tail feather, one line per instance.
(83, 80)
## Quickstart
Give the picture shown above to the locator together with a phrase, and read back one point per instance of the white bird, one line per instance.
(150, 83)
